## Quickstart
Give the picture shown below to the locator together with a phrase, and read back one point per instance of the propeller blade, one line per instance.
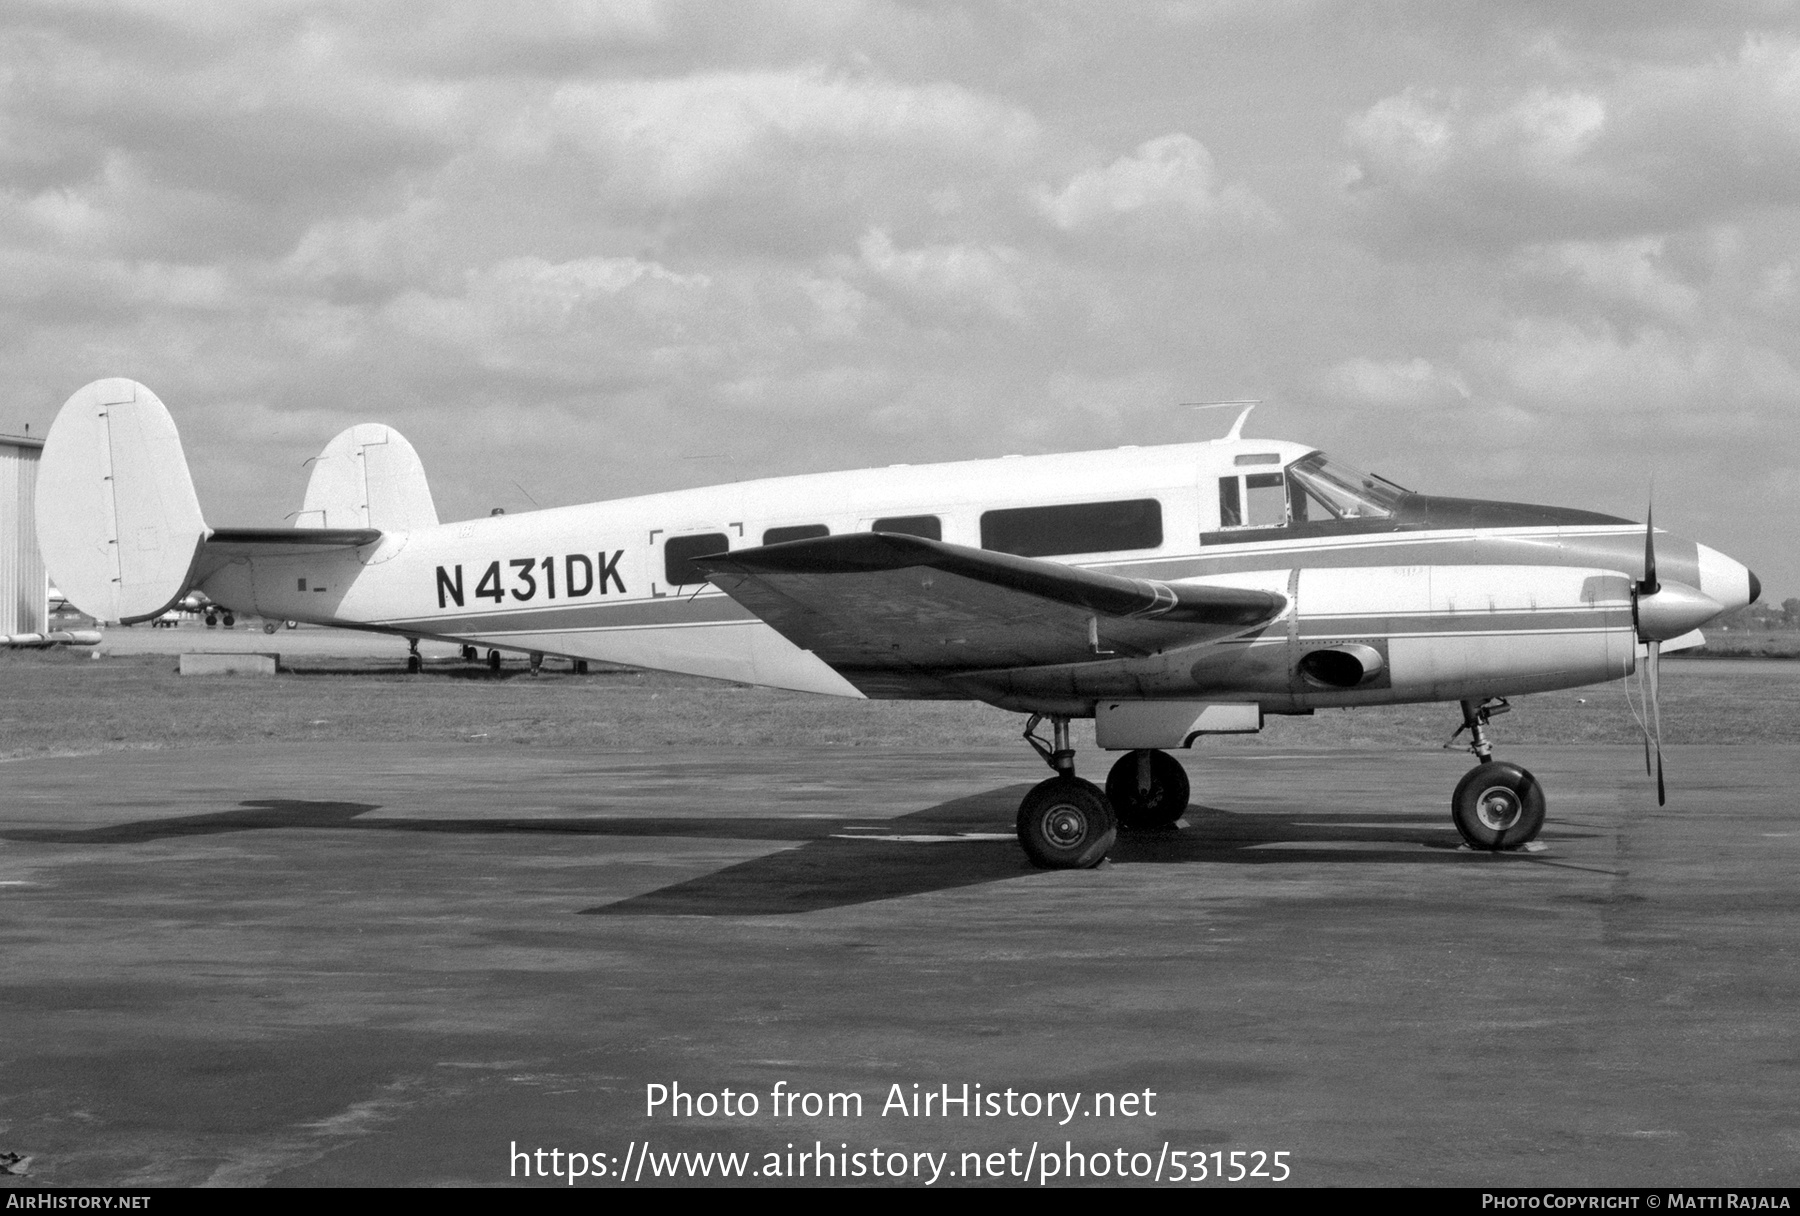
(1649, 585)
(1656, 718)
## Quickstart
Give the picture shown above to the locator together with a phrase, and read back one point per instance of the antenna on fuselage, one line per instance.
(1237, 428)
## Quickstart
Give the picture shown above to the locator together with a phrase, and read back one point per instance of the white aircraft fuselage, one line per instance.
(1461, 598)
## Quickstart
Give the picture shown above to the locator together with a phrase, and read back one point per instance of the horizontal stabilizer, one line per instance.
(117, 520)
(261, 540)
(877, 602)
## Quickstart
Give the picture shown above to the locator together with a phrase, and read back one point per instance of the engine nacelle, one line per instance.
(1429, 633)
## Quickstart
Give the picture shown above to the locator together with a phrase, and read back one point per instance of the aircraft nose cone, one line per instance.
(1729, 582)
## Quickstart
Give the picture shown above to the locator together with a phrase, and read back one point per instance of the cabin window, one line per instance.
(679, 553)
(1231, 504)
(1084, 527)
(778, 536)
(927, 526)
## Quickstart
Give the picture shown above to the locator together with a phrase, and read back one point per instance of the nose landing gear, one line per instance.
(1064, 823)
(1497, 806)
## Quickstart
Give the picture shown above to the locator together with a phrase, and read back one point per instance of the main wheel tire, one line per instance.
(1498, 807)
(414, 664)
(1156, 807)
(1065, 824)
(493, 660)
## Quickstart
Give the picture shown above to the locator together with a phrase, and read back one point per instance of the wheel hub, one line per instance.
(1498, 808)
(1065, 827)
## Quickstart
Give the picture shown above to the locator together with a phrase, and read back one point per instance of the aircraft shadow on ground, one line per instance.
(841, 861)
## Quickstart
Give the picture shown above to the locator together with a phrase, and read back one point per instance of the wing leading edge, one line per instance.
(901, 615)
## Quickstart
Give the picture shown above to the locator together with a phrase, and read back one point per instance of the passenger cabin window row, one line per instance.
(1059, 531)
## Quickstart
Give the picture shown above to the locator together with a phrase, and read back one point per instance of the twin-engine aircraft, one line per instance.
(1166, 592)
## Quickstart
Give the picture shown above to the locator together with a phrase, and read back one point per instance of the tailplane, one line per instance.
(368, 477)
(117, 520)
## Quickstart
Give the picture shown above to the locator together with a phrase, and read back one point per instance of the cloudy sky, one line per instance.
(574, 250)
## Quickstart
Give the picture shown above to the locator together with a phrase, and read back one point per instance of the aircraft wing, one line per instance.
(878, 604)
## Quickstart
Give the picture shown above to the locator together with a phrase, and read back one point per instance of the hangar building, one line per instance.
(24, 588)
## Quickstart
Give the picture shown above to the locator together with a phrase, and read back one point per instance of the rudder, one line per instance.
(117, 519)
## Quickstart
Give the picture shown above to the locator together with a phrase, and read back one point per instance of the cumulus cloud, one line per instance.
(240, 146)
(1636, 148)
(682, 138)
(1633, 272)
(519, 314)
(953, 280)
(1171, 178)
(1560, 367)
(1392, 384)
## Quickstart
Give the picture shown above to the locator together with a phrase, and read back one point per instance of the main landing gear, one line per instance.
(1064, 823)
(414, 664)
(1497, 806)
(1147, 789)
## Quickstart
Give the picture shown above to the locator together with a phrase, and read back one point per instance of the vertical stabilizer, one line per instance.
(117, 520)
(368, 477)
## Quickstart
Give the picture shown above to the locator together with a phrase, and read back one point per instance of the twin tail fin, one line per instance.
(120, 527)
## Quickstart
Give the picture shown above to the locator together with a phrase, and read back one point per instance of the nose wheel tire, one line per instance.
(1065, 824)
(1498, 807)
(1147, 789)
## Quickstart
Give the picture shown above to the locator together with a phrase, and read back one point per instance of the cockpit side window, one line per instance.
(1253, 500)
(1265, 500)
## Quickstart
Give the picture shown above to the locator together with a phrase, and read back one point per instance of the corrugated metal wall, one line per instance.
(23, 589)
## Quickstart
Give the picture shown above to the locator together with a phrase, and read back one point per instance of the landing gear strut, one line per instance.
(413, 662)
(1064, 823)
(1497, 806)
(1148, 789)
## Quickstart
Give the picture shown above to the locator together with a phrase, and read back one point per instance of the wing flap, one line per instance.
(873, 603)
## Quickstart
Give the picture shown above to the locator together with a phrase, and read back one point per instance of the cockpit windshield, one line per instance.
(1330, 489)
